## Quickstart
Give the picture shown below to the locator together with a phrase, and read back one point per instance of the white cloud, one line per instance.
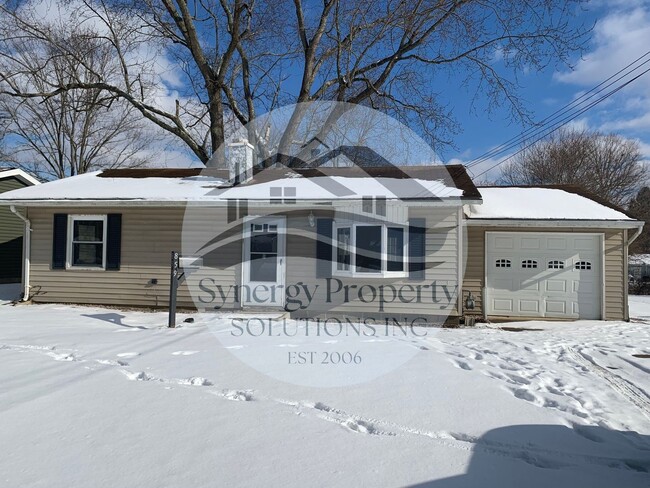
(579, 124)
(619, 38)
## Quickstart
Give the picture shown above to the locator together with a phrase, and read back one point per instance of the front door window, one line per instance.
(263, 253)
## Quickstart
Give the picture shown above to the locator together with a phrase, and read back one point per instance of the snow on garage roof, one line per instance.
(193, 185)
(539, 203)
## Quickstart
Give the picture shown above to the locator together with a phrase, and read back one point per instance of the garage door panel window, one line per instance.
(503, 263)
(585, 265)
(556, 264)
(529, 264)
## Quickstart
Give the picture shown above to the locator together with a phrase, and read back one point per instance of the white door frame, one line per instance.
(280, 282)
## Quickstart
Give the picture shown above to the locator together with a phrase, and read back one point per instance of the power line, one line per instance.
(567, 120)
(566, 109)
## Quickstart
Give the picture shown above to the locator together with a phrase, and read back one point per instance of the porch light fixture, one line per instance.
(311, 219)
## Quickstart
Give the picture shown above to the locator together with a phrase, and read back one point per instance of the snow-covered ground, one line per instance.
(100, 397)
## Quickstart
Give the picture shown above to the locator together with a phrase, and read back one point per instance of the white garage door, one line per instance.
(531, 274)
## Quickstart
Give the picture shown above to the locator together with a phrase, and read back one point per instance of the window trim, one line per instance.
(384, 273)
(69, 247)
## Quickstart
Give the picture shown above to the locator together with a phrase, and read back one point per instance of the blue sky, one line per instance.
(621, 34)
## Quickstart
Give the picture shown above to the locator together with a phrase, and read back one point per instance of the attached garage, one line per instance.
(554, 253)
(553, 274)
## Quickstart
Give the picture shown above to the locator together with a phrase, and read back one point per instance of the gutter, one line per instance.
(559, 223)
(27, 247)
(453, 202)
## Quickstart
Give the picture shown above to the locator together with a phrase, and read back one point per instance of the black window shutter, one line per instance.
(113, 241)
(417, 242)
(324, 248)
(59, 240)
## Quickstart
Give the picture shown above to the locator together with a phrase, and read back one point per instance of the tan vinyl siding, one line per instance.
(150, 234)
(148, 237)
(614, 270)
(441, 247)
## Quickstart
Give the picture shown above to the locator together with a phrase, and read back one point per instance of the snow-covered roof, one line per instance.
(90, 186)
(529, 203)
(196, 187)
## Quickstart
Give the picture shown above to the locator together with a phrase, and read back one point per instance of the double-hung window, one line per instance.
(370, 250)
(87, 241)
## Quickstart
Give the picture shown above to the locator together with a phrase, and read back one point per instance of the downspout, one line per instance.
(27, 247)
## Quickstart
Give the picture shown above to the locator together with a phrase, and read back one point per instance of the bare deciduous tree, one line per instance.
(607, 165)
(243, 57)
(639, 207)
(74, 131)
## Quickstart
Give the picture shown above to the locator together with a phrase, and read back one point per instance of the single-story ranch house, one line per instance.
(346, 241)
(11, 226)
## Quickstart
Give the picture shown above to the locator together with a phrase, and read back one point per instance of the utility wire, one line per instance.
(566, 120)
(566, 109)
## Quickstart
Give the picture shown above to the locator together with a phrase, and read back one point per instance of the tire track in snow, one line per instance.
(628, 390)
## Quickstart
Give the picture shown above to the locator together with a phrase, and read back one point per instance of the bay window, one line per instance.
(378, 250)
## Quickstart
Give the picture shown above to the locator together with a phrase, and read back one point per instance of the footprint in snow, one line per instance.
(183, 353)
(360, 426)
(62, 357)
(137, 376)
(195, 381)
(235, 395)
(127, 354)
(462, 365)
(110, 362)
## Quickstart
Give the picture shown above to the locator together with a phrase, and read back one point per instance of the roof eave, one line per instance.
(560, 223)
(20, 174)
(449, 201)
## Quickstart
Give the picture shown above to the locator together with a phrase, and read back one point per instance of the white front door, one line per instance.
(544, 274)
(263, 268)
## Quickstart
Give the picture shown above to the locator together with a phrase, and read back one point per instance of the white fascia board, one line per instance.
(586, 224)
(209, 203)
(21, 175)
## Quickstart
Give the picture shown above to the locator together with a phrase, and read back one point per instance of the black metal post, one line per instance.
(173, 288)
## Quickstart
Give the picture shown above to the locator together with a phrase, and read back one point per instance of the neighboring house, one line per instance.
(361, 243)
(11, 227)
(639, 267)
